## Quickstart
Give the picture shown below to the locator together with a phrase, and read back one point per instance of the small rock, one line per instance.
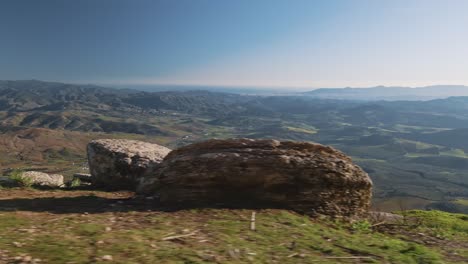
(389, 218)
(107, 258)
(43, 179)
(17, 244)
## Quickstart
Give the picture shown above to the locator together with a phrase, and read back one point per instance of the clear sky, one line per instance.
(284, 43)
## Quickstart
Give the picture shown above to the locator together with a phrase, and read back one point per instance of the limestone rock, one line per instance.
(120, 163)
(305, 177)
(389, 218)
(43, 179)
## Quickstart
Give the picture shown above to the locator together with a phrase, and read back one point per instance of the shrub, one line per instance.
(75, 183)
(16, 175)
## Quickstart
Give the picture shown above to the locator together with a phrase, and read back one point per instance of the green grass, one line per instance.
(462, 202)
(217, 236)
(441, 223)
(301, 130)
(455, 153)
(75, 183)
(17, 176)
(451, 153)
(418, 144)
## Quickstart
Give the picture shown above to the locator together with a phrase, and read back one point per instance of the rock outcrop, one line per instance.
(384, 217)
(305, 177)
(7, 182)
(43, 179)
(119, 163)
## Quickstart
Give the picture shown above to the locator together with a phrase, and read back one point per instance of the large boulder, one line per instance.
(43, 179)
(305, 177)
(120, 163)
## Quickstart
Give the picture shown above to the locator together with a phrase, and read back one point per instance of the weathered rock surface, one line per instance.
(120, 163)
(384, 217)
(43, 179)
(305, 177)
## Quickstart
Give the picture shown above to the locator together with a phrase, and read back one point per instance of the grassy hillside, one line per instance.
(53, 150)
(94, 227)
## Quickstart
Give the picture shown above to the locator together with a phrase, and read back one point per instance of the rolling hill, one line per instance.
(413, 150)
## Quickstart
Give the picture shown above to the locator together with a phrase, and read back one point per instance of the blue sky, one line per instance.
(271, 43)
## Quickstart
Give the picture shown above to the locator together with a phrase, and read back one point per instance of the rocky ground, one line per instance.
(90, 226)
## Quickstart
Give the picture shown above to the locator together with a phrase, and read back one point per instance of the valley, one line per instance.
(414, 151)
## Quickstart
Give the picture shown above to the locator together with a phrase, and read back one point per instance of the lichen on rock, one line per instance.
(43, 179)
(120, 163)
(306, 177)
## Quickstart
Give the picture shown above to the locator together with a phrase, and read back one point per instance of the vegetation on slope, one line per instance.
(94, 227)
(413, 150)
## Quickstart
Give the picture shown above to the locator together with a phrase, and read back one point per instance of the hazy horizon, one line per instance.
(240, 87)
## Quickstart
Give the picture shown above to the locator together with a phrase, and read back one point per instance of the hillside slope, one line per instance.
(413, 150)
(95, 227)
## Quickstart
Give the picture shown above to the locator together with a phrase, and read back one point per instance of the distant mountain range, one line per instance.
(413, 150)
(391, 93)
(387, 93)
(264, 91)
(56, 90)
